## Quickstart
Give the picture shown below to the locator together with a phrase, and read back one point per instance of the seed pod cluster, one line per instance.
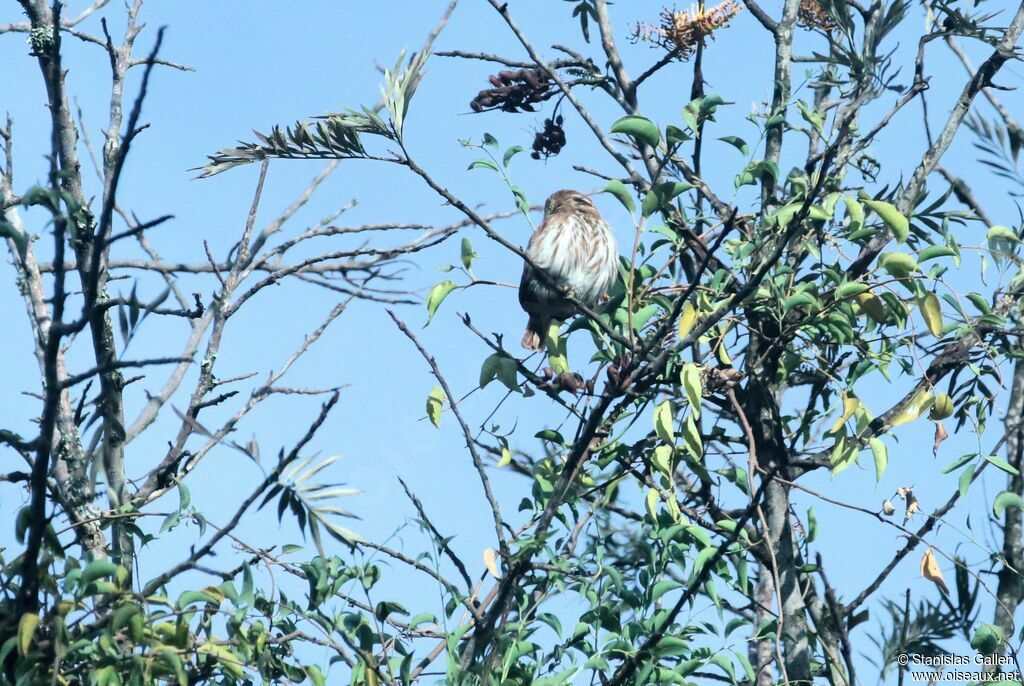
(514, 91)
(551, 140)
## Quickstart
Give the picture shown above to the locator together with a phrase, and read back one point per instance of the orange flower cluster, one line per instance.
(682, 32)
(812, 16)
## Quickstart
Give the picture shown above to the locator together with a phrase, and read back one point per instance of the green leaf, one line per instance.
(691, 438)
(798, 300)
(701, 109)
(725, 664)
(891, 217)
(855, 213)
(173, 660)
(694, 387)
(622, 194)
(662, 194)
(662, 587)
(1002, 464)
(979, 302)
(639, 128)
(900, 265)
(483, 163)
(748, 669)
(964, 482)
(663, 422)
(738, 143)
(674, 134)
(189, 597)
(435, 406)
(935, 251)
(316, 677)
(510, 153)
(815, 119)
(819, 213)
(467, 253)
(437, 295)
(499, 367)
(848, 290)
(959, 462)
(422, 618)
(702, 559)
(97, 569)
(1004, 500)
(757, 170)
(881, 456)
(1002, 233)
(550, 435)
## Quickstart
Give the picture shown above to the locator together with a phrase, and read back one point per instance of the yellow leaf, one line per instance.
(921, 401)
(850, 405)
(661, 460)
(506, 456)
(673, 508)
(931, 311)
(651, 502)
(225, 658)
(872, 306)
(558, 360)
(721, 353)
(26, 630)
(930, 570)
(490, 561)
(686, 320)
(435, 405)
(663, 422)
(693, 385)
(691, 438)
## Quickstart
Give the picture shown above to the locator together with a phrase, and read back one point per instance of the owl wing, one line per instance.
(535, 295)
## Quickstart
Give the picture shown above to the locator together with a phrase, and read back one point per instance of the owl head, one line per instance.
(568, 201)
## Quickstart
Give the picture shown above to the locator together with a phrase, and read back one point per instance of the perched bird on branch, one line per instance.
(575, 248)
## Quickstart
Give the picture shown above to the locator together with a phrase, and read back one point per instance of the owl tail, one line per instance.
(536, 332)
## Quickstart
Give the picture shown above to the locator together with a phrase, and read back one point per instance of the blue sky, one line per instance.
(264, 63)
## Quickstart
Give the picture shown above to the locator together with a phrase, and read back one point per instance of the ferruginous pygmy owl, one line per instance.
(575, 247)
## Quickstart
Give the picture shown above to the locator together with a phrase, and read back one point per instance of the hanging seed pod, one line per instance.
(514, 91)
